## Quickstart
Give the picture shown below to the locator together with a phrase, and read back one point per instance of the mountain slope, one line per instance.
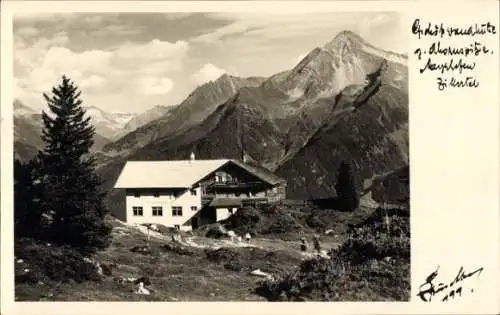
(193, 110)
(344, 99)
(142, 119)
(109, 125)
(28, 129)
(373, 134)
(232, 127)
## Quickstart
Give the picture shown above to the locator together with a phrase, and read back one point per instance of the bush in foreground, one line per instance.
(244, 220)
(41, 262)
(373, 264)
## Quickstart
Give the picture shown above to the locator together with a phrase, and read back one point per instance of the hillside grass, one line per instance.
(372, 264)
(199, 269)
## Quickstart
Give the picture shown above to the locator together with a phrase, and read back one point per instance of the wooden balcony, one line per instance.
(206, 199)
(234, 202)
(235, 185)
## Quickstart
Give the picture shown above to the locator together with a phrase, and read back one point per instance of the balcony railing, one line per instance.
(234, 185)
(206, 199)
(212, 200)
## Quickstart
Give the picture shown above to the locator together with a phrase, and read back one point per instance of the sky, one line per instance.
(130, 62)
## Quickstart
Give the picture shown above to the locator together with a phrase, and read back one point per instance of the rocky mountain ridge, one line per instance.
(344, 100)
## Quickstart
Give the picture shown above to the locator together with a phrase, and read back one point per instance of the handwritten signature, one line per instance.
(452, 289)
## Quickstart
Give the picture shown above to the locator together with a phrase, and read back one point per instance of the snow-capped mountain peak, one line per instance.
(21, 110)
(107, 123)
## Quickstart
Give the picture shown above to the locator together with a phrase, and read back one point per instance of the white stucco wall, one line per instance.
(166, 200)
(223, 213)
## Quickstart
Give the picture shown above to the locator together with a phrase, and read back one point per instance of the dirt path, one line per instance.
(205, 242)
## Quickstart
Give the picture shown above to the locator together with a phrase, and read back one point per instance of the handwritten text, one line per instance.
(453, 62)
(455, 288)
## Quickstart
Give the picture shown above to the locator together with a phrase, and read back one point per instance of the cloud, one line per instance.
(122, 60)
(29, 54)
(17, 89)
(172, 16)
(153, 85)
(154, 50)
(27, 31)
(367, 23)
(252, 42)
(208, 72)
(93, 82)
(34, 16)
(116, 29)
(385, 30)
(139, 68)
(272, 25)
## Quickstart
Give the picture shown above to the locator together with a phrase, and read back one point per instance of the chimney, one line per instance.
(192, 157)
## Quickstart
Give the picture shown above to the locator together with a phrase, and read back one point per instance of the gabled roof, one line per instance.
(261, 172)
(180, 173)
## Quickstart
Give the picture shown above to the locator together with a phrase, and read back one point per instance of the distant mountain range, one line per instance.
(344, 100)
(109, 126)
(193, 110)
(115, 125)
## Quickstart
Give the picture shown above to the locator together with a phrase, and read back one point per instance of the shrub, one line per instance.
(57, 263)
(359, 251)
(234, 265)
(244, 220)
(214, 231)
(141, 249)
(178, 249)
(283, 223)
(357, 270)
(314, 221)
(223, 254)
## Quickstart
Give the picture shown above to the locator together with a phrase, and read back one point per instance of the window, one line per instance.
(194, 208)
(157, 211)
(193, 192)
(156, 194)
(177, 211)
(137, 194)
(137, 211)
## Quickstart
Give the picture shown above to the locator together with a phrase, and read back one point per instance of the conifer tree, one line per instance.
(71, 186)
(347, 194)
(28, 217)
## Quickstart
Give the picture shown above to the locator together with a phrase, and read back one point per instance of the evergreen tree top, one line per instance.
(67, 133)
